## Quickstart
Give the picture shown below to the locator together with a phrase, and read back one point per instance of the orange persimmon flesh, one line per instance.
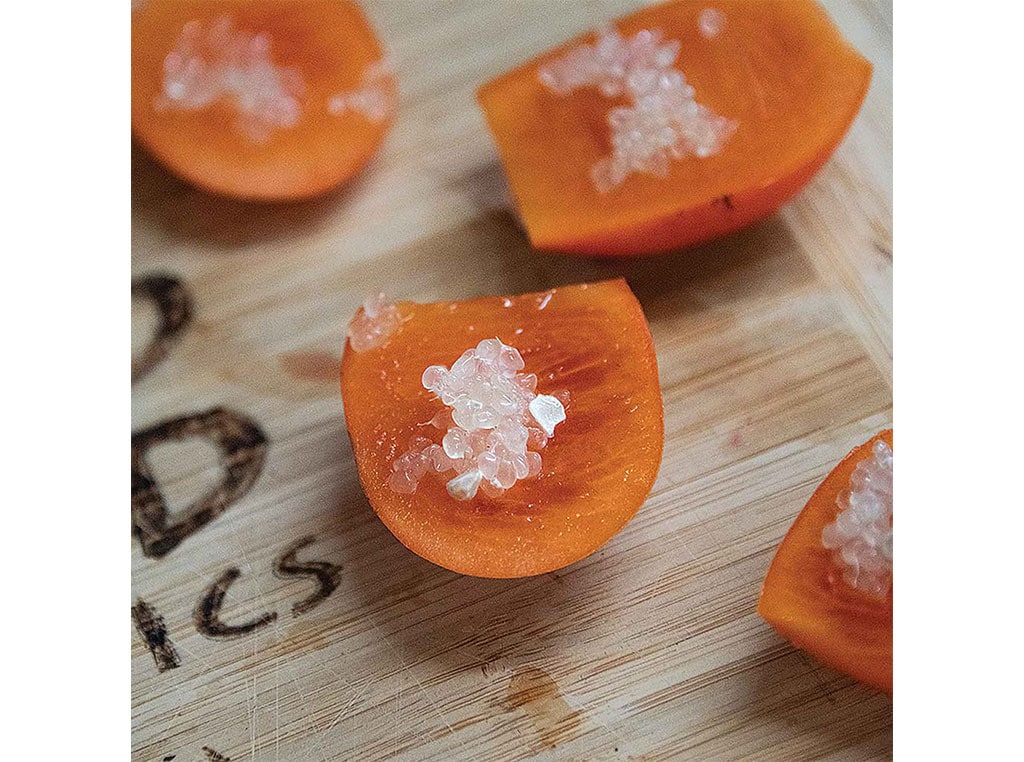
(329, 42)
(780, 70)
(597, 470)
(809, 604)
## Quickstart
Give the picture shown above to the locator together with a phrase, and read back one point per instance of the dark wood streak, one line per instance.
(154, 634)
(326, 574)
(243, 446)
(174, 304)
(207, 611)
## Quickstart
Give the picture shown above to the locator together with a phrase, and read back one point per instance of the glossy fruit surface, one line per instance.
(254, 98)
(806, 601)
(591, 340)
(780, 70)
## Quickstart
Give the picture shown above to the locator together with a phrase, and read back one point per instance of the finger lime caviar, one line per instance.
(493, 413)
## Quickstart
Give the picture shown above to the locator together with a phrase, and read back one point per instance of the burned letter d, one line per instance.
(243, 448)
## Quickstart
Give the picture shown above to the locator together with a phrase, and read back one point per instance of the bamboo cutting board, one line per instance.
(273, 615)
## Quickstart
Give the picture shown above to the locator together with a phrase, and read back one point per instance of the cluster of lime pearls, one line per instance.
(492, 418)
(373, 325)
(373, 99)
(661, 122)
(220, 62)
(860, 538)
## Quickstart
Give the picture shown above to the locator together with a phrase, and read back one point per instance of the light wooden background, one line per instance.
(775, 348)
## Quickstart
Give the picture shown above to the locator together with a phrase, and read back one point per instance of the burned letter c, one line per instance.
(243, 448)
(207, 611)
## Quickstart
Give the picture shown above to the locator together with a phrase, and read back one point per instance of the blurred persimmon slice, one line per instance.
(259, 99)
(582, 356)
(674, 125)
(829, 587)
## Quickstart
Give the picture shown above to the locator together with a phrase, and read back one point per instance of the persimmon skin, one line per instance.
(329, 41)
(781, 70)
(804, 600)
(592, 340)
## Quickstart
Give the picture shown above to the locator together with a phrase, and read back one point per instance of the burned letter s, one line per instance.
(326, 575)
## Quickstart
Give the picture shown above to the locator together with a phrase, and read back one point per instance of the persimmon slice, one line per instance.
(775, 88)
(807, 601)
(259, 99)
(591, 340)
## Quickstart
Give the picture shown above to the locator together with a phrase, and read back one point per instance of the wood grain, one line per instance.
(775, 353)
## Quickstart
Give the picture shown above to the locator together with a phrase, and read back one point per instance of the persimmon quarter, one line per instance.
(591, 340)
(804, 600)
(776, 79)
(259, 99)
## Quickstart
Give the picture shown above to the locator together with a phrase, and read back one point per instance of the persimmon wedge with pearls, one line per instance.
(674, 125)
(505, 436)
(829, 587)
(259, 99)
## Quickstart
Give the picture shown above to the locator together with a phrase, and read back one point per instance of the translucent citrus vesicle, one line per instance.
(590, 340)
(806, 600)
(259, 99)
(774, 82)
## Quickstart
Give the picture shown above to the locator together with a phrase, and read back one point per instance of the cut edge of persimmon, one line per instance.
(224, 94)
(806, 601)
(583, 476)
(664, 222)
